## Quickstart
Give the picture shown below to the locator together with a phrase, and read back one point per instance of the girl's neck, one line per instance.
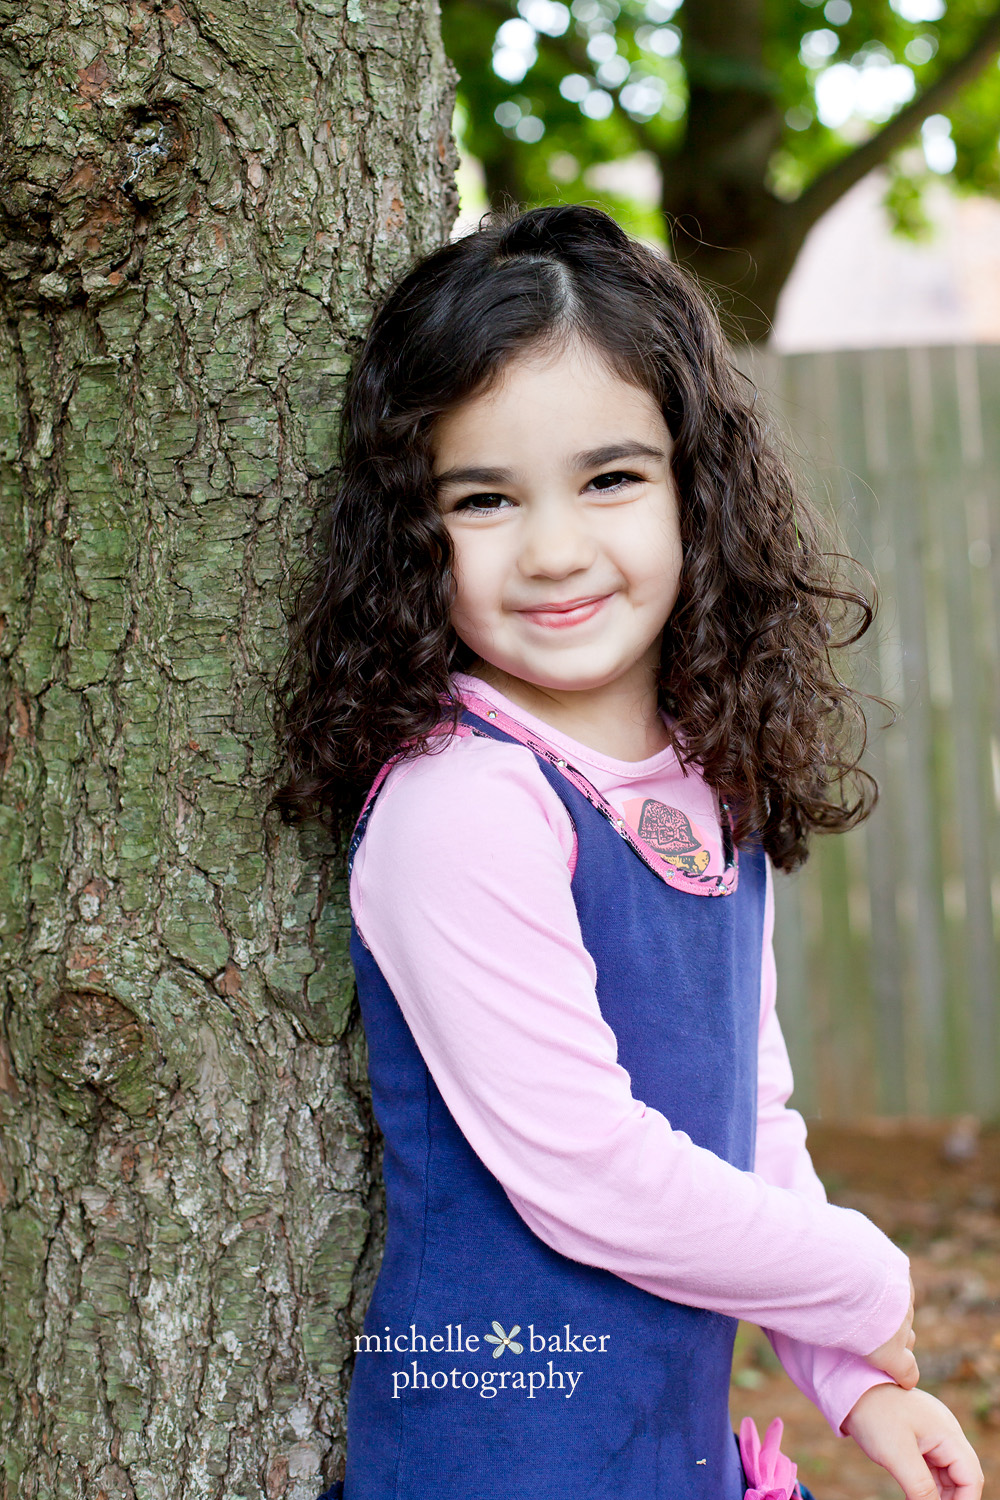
(620, 720)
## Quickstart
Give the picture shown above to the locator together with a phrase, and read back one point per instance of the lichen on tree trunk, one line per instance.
(198, 201)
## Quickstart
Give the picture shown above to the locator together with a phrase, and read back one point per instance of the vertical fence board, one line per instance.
(863, 513)
(887, 939)
(951, 488)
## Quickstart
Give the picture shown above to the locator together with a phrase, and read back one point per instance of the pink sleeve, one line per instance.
(464, 898)
(833, 1380)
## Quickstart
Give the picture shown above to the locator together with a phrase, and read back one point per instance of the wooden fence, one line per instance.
(887, 940)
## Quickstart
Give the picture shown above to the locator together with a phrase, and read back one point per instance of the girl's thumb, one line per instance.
(901, 1366)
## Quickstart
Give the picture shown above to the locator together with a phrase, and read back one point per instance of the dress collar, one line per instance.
(699, 885)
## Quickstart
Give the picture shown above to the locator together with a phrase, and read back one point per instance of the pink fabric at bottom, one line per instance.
(769, 1473)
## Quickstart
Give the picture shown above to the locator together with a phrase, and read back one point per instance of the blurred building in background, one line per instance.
(856, 285)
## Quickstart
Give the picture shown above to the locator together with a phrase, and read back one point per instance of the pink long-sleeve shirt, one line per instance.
(461, 889)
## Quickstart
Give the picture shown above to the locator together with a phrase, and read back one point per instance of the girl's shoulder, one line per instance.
(468, 790)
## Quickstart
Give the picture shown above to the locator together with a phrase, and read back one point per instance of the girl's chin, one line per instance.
(556, 677)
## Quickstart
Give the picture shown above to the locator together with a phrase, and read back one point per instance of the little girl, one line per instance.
(561, 684)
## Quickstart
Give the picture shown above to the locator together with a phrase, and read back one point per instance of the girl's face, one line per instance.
(556, 490)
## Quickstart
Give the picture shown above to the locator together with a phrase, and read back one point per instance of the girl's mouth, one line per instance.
(561, 619)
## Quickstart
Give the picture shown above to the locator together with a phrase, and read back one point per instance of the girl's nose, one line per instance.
(556, 543)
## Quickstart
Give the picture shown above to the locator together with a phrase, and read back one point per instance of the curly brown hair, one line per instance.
(746, 673)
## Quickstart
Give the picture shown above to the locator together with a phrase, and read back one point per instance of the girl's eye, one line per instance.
(479, 503)
(607, 484)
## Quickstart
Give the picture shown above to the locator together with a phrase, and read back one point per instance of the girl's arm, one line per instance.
(461, 888)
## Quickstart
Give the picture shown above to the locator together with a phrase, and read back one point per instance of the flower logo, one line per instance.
(504, 1340)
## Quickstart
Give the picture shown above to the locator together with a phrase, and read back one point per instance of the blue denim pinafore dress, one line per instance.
(468, 1294)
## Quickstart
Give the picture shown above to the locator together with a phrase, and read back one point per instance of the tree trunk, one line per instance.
(503, 179)
(723, 222)
(742, 251)
(199, 200)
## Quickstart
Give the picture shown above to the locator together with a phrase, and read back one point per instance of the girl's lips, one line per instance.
(561, 619)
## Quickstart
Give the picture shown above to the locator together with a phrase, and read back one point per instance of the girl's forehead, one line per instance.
(571, 383)
(554, 359)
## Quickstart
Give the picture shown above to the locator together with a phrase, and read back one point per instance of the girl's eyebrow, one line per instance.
(590, 458)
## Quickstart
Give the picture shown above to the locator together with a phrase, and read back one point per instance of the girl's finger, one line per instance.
(956, 1458)
(914, 1477)
(950, 1491)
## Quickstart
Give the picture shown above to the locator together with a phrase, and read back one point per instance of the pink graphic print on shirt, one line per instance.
(670, 832)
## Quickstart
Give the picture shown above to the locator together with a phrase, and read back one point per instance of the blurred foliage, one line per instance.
(549, 90)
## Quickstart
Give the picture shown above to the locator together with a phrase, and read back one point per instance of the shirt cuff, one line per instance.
(832, 1380)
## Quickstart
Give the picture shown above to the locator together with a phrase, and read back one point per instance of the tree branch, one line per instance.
(836, 180)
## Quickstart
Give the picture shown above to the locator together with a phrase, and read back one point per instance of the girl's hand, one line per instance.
(918, 1441)
(895, 1356)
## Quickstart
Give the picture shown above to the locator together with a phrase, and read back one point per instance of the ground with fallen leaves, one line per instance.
(934, 1187)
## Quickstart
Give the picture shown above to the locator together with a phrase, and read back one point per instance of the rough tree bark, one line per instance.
(199, 199)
